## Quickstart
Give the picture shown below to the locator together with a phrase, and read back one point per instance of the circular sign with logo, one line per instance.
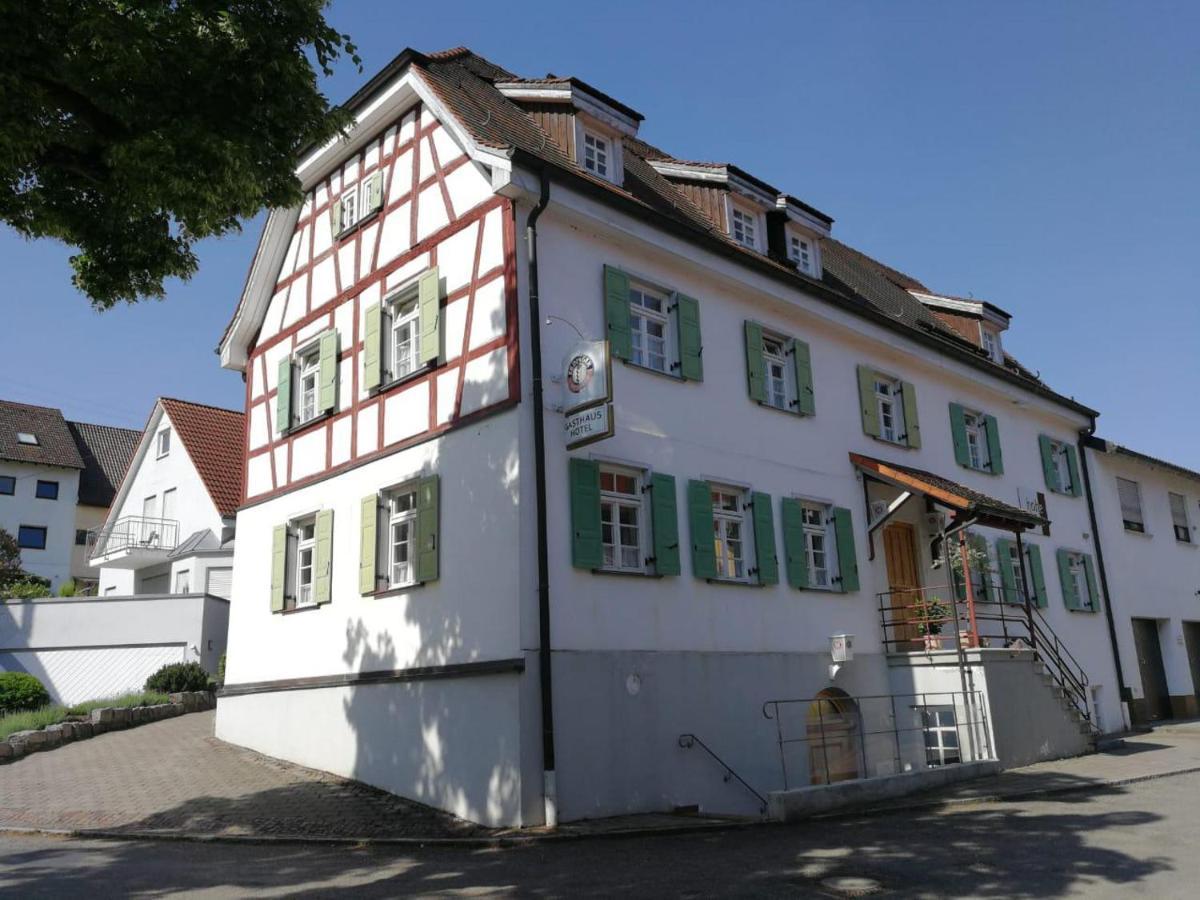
(580, 371)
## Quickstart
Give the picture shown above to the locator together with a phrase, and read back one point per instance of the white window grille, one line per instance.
(621, 520)
(729, 532)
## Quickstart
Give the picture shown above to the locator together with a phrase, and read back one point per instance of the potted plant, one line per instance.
(930, 613)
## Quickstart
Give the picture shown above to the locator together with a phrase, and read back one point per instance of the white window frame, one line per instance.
(302, 559)
(781, 385)
(587, 125)
(612, 502)
(1077, 568)
(596, 155)
(796, 253)
(307, 362)
(730, 566)
(393, 517)
(934, 724)
(1018, 577)
(163, 443)
(1138, 525)
(402, 308)
(1182, 529)
(823, 529)
(183, 581)
(350, 198)
(890, 405)
(989, 339)
(1062, 466)
(751, 226)
(978, 452)
(640, 315)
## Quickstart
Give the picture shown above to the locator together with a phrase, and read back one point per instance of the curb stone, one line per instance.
(527, 840)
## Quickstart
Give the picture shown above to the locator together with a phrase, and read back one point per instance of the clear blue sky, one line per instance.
(1040, 156)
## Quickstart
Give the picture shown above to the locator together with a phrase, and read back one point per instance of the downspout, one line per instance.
(549, 785)
(1108, 598)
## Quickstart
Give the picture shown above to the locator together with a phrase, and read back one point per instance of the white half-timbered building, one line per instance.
(793, 448)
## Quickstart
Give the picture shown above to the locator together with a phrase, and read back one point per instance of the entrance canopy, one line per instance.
(967, 506)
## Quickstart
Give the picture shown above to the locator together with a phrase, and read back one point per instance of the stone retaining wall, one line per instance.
(107, 718)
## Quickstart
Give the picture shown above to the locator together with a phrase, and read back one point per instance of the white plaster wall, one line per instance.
(1151, 575)
(87, 518)
(468, 614)
(712, 429)
(56, 516)
(89, 648)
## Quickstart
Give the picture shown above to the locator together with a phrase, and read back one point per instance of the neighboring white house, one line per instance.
(170, 528)
(1149, 517)
(799, 437)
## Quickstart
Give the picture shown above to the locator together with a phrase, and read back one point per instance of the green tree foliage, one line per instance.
(21, 691)
(130, 129)
(10, 561)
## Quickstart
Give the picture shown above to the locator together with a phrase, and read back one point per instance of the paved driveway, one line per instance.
(174, 775)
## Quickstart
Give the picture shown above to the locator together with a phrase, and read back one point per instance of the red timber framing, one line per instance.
(367, 237)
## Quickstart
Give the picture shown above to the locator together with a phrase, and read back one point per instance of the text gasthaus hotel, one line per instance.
(567, 460)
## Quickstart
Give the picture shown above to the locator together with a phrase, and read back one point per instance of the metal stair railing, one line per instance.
(688, 741)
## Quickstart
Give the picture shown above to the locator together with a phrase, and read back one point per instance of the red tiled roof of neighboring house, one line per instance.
(215, 439)
(54, 445)
(106, 451)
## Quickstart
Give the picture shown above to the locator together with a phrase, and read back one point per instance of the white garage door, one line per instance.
(92, 673)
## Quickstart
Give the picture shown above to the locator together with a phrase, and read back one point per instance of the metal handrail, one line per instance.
(138, 532)
(687, 741)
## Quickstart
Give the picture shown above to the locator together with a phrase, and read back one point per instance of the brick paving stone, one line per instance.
(173, 775)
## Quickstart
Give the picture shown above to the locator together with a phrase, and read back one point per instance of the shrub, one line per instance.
(20, 691)
(30, 588)
(175, 677)
(67, 588)
(221, 671)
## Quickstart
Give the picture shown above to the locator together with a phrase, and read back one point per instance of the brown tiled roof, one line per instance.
(215, 439)
(106, 451)
(55, 446)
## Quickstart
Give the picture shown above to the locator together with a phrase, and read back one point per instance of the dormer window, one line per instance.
(744, 228)
(990, 341)
(24, 437)
(596, 153)
(803, 252)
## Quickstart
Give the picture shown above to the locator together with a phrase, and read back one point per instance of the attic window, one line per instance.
(990, 341)
(744, 228)
(597, 152)
(24, 437)
(802, 250)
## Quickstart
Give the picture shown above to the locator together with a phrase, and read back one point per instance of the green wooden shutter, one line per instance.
(764, 538)
(368, 570)
(978, 543)
(1008, 578)
(1073, 468)
(373, 346)
(283, 397)
(1093, 591)
(665, 524)
(335, 216)
(1048, 468)
(586, 549)
(795, 551)
(843, 532)
(958, 431)
(756, 369)
(374, 193)
(429, 300)
(806, 403)
(279, 542)
(616, 313)
(866, 401)
(1037, 576)
(700, 523)
(328, 371)
(995, 455)
(687, 316)
(323, 558)
(912, 424)
(1070, 597)
(428, 539)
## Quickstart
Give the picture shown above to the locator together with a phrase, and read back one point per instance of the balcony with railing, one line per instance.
(133, 542)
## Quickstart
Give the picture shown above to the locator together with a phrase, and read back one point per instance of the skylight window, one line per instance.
(24, 437)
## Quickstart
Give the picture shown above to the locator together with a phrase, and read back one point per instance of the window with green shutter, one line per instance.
(700, 524)
(1037, 575)
(584, 477)
(429, 302)
(616, 312)
(766, 567)
(372, 355)
(847, 558)
(778, 370)
(283, 395)
(889, 408)
(1078, 579)
(323, 558)
(653, 327)
(1060, 466)
(368, 567)
(328, 371)
(279, 567)
(428, 522)
(624, 519)
(976, 439)
(691, 348)
(664, 524)
(302, 562)
(795, 547)
(810, 541)
(399, 538)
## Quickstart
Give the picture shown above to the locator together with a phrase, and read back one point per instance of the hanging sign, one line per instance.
(589, 425)
(587, 377)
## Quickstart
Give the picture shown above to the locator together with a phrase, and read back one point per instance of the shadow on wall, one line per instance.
(1087, 846)
(15, 629)
(452, 743)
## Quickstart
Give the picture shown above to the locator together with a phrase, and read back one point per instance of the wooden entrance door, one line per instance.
(904, 581)
(1157, 698)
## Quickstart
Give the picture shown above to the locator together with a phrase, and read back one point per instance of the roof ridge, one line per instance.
(236, 412)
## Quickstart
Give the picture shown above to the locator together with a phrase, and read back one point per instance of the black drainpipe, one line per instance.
(549, 787)
(1084, 435)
